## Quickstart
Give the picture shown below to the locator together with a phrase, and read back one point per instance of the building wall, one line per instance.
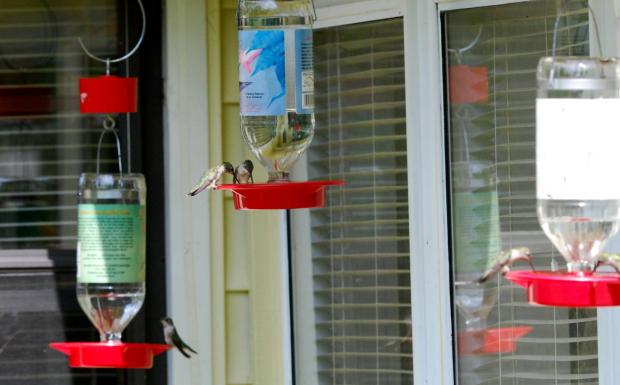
(245, 246)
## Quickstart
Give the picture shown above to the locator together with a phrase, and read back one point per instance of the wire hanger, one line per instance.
(458, 52)
(108, 61)
(560, 7)
(108, 126)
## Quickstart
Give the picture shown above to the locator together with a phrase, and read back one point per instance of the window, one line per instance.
(351, 258)
(45, 143)
(491, 92)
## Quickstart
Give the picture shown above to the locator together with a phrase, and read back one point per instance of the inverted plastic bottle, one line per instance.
(111, 250)
(276, 81)
(577, 136)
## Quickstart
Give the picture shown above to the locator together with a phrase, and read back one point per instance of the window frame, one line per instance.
(430, 279)
(431, 283)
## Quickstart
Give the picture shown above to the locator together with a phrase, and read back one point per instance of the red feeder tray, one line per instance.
(568, 289)
(276, 196)
(107, 355)
(108, 95)
(490, 341)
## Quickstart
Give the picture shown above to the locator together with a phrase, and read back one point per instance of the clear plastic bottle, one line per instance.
(577, 136)
(276, 81)
(111, 250)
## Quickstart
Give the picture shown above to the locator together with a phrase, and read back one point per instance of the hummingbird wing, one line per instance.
(186, 346)
(179, 344)
(208, 180)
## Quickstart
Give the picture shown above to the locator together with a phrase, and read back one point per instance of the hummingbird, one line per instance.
(172, 337)
(243, 172)
(502, 260)
(610, 259)
(212, 177)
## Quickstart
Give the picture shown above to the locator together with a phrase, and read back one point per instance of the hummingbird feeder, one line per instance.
(111, 246)
(578, 197)
(276, 92)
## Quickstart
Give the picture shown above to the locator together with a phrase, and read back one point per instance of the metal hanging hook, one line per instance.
(314, 17)
(458, 52)
(108, 61)
(108, 126)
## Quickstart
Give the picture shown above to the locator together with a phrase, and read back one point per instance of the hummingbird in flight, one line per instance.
(243, 172)
(211, 178)
(504, 259)
(172, 337)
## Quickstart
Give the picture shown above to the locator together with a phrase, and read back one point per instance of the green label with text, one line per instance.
(111, 243)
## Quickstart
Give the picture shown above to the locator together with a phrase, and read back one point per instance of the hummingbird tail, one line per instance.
(196, 190)
(183, 352)
(186, 346)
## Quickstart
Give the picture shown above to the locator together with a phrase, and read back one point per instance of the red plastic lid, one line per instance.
(569, 289)
(108, 95)
(279, 196)
(489, 341)
(108, 355)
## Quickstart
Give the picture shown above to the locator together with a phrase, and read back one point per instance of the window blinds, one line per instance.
(44, 141)
(359, 243)
(492, 168)
(44, 145)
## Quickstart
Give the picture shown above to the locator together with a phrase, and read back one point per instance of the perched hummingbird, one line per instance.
(504, 259)
(211, 178)
(243, 172)
(172, 337)
(610, 259)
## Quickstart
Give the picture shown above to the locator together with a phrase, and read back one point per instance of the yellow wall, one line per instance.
(245, 246)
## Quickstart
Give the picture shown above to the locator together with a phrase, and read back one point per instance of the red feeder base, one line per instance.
(106, 355)
(569, 289)
(490, 341)
(279, 196)
(108, 95)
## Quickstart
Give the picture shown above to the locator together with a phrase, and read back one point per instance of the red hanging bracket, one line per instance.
(108, 95)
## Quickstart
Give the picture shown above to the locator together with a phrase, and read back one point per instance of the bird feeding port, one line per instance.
(279, 195)
(111, 356)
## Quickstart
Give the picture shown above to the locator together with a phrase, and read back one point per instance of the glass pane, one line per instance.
(360, 241)
(492, 54)
(39, 307)
(44, 141)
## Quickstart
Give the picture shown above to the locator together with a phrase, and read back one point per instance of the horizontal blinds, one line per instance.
(493, 166)
(45, 143)
(38, 307)
(360, 240)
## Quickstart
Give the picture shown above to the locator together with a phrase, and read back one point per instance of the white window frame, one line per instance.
(607, 14)
(430, 277)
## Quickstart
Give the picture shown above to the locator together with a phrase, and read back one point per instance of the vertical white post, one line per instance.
(430, 277)
(186, 157)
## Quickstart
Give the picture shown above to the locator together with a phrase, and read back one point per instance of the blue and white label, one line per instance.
(262, 81)
(304, 71)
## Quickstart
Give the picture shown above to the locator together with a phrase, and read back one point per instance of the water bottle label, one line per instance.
(262, 81)
(111, 243)
(304, 71)
(576, 149)
(477, 241)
